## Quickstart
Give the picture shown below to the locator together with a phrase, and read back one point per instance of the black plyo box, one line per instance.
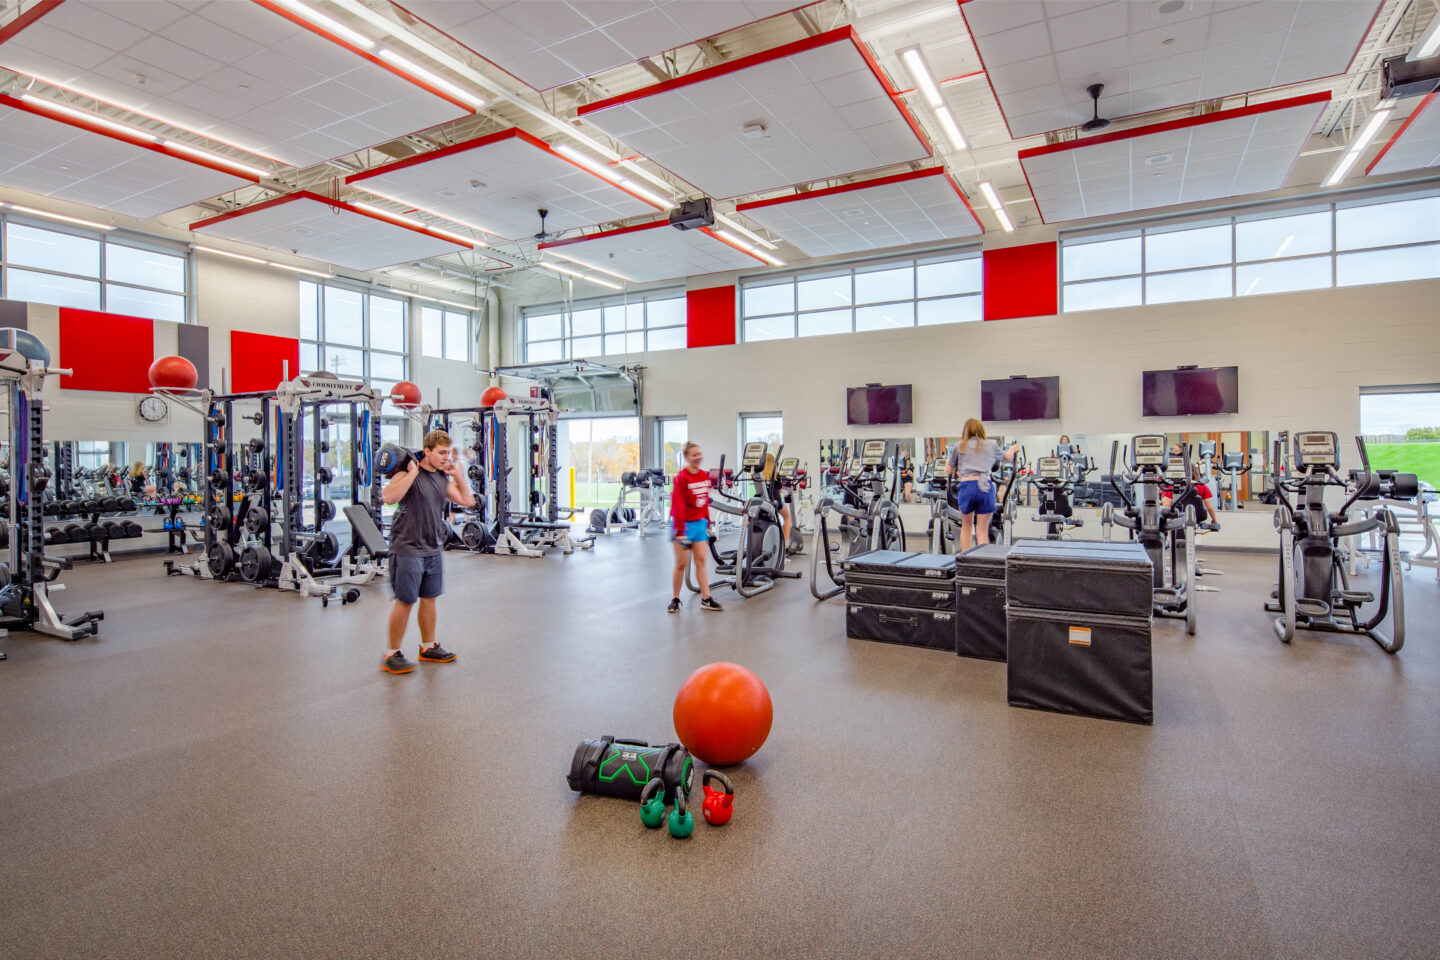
(934, 629)
(1080, 576)
(980, 629)
(1086, 664)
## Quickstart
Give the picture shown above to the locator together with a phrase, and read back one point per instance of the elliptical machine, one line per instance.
(1233, 463)
(758, 558)
(1313, 585)
(1054, 486)
(863, 519)
(943, 532)
(1166, 533)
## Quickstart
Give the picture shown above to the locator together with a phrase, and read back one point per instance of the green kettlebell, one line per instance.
(682, 821)
(652, 808)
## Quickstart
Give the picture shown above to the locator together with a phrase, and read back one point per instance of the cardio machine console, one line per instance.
(754, 456)
(1316, 449)
(873, 453)
(1067, 449)
(1049, 468)
(1175, 470)
(1150, 450)
(788, 468)
(855, 469)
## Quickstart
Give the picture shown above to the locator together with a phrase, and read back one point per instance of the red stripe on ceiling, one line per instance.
(329, 202)
(136, 141)
(844, 188)
(975, 45)
(965, 200)
(1030, 187)
(513, 133)
(28, 17)
(894, 94)
(837, 35)
(1246, 111)
(300, 21)
(732, 245)
(1403, 127)
(606, 233)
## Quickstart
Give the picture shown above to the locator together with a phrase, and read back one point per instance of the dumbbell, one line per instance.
(95, 532)
(127, 505)
(133, 529)
(113, 530)
(54, 535)
(76, 533)
(109, 504)
(52, 508)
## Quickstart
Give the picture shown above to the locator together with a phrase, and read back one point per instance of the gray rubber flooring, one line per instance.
(226, 773)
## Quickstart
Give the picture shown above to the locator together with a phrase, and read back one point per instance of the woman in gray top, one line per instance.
(970, 461)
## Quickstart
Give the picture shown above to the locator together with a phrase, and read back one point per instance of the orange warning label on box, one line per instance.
(1080, 636)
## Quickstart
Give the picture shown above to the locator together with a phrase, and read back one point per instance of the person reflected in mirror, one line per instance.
(970, 462)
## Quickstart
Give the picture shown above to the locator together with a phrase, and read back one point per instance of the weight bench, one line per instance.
(531, 538)
(364, 531)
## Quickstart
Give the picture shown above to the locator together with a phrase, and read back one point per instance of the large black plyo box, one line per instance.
(900, 592)
(876, 561)
(1087, 664)
(980, 602)
(897, 563)
(1080, 576)
(934, 629)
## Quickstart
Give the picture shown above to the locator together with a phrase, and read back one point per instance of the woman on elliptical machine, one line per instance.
(970, 461)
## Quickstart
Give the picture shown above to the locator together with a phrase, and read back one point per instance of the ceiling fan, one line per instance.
(544, 235)
(1096, 122)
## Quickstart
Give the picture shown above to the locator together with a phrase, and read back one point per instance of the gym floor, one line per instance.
(226, 774)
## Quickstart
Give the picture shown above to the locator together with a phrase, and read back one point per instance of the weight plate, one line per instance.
(255, 563)
(325, 510)
(219, 516)
(329, 547)
(256, 445)
(475, 473)
(324, 475)
(257, 520)
(220, 558)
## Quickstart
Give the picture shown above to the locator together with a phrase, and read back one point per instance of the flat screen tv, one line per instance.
(1020, 398)
(878, 405)
(1191, 391)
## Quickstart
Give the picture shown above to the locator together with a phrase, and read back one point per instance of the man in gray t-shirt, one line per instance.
(417, 541)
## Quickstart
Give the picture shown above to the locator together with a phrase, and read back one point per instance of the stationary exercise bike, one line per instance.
(1167, 533)
(758, 558)
(1313, 592)
(857, 517)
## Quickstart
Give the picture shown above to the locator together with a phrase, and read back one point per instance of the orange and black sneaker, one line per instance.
(436, 654)
(397, 663)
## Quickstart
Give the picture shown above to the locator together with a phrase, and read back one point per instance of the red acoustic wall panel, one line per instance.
(107, 351)
(1021, 281)
(257, 360)
(710, 317)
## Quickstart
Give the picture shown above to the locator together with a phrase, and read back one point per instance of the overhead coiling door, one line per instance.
(582, 389)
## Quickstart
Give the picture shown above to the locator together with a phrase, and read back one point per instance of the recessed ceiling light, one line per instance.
(853, 213)
(1152, 160)
(446, 193)
(1170, 6)
(1167, 41)
(639, 250)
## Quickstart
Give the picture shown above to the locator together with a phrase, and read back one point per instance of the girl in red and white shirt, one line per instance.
(690, 526)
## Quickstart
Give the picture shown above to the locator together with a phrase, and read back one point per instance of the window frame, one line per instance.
(568, 338)
(322, 345)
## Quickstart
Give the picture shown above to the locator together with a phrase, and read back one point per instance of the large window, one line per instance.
(352, 333)
(898, 293)
(671, 433)
(445, 334)
(598, 450)
(604, 326)
(768, 428)
(1402, 429)
(73, 267)
(1308, 247)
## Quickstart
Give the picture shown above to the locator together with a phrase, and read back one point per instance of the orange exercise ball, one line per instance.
(173, 372)
(405, 394)
(491, 396)
(723, 713)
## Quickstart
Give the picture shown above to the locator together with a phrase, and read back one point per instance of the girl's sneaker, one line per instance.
(709, 604)
(674, 606)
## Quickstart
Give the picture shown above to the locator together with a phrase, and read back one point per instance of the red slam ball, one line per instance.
(405, 395)
(175, 373)
(491, 396)
(723, 713)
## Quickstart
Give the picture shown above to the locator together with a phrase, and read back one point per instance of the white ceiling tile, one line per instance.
(992, 18)
(720, 106)
(312, 227)
(1024, 74)
(1415, 149)
(1092, 24)
(658, 252)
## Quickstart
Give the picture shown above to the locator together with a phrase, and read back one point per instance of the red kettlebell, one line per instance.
(718, 806)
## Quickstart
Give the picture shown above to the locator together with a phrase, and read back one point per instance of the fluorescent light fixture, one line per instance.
(399, 218)
(57, 216)
(603, 283)
(947, 123)
(226, 253)
(433, 79)
(731, 224)
(920, 74)
(561, 268)
(326, 23)
(461, 306)
(644, 194)
(215, 158)
(737, 242)
(997, 207)
(1429, 44)
(89, 117)
(589, 163)
(1357, 146)
(589, 266)
(773, 261)
(309, 273)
